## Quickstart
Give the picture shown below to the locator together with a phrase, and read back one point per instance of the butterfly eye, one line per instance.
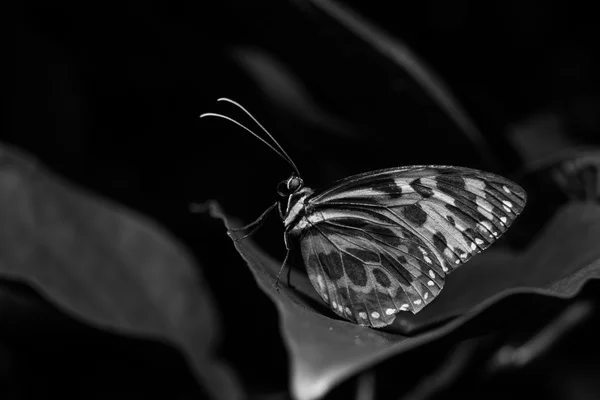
(289, 186)
(294, 184)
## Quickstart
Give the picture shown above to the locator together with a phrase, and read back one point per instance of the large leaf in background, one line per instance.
(401, 55)
(105, 265)
(285, 90)
(324, 351)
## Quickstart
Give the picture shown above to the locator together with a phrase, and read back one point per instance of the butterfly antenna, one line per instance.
(242, 126)
(286, 156)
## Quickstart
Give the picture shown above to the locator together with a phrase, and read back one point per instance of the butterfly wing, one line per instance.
(382, 242)
(367, 273)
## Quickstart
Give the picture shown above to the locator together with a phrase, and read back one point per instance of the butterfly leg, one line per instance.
(254, 225)
(289, 275)
(283, 266)
(276, 284)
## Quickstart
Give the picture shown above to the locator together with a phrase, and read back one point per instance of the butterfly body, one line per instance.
(382, 242)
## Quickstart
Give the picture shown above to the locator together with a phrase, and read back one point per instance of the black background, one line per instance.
(109, 97)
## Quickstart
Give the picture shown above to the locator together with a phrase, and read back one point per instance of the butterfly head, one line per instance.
(290, 186)
(294, 195)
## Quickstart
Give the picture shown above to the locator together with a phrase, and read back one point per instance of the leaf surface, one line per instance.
(325, 350)
(101, 263)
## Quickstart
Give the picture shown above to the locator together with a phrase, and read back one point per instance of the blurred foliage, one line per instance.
(105, 100)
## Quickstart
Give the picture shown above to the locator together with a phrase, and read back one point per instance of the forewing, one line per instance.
(367, 273)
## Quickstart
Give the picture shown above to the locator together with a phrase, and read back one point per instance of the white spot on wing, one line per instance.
(443, 197)
(347, 310)
(476, 186)
(375, 314)
(482, 207)
(444, 268)
(506, 189)
(448, 253)
(428, 260)
(478, 241)
(430, 283)
(362, 314)
(507, 203)
(334, 304)
(390, 311)
(426, 295)
(417, 302)
(506, 209)
(356, 193)
(404, 307)
(432, 274)
(488, 227)
(503, 219)
(321, 283)
(473, 246)
(406, 188)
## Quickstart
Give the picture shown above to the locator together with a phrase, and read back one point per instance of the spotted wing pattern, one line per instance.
(382, 242)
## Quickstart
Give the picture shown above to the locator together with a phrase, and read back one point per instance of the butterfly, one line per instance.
(382, 242)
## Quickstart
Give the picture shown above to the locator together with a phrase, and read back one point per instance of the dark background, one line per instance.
(109, 97)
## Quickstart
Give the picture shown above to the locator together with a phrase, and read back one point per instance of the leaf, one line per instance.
(285, 90)
(511, 356)
(324, 351)
(400, 54)
(105, 265)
